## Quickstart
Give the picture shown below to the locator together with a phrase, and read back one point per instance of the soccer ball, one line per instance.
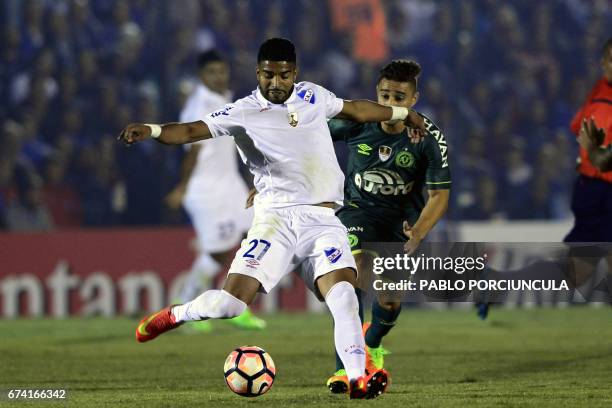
(249, 371)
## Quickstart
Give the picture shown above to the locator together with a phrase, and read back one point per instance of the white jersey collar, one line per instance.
(265, 103)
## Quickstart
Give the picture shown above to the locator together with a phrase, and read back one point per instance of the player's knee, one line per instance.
(222, 257)
(222, 305)
(341, 299)
(364, 261)
(390, 306)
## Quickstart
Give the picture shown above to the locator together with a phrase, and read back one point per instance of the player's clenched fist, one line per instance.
(135, 132)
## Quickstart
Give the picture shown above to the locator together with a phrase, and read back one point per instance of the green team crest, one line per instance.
(404, 159)
(353, 240)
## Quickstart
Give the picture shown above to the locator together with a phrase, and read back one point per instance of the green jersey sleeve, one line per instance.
(437, 175)
(342, 130)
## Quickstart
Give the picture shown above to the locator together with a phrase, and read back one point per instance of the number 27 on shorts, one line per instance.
(257, 250)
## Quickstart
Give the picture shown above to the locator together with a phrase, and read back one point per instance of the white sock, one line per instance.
(212, 304)
(350, 345)
(200, 276)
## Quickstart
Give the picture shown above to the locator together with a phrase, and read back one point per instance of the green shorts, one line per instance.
(368, 226)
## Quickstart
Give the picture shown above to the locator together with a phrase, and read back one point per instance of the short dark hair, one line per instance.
(401, 71)
(207, 57)
(276, 49)
(607, 46)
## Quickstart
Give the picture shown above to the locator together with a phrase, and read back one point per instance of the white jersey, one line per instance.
(287, 147)
(216, 168)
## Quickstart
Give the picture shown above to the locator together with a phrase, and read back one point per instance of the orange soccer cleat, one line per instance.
(338, 383)
(369, 386)
(152, 326)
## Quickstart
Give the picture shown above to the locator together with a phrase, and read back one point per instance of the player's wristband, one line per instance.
(155, 130)
(399, 113)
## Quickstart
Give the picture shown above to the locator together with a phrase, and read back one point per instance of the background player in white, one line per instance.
(216, 211)
(281, 131)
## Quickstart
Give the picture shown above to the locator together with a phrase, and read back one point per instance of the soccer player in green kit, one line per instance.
(383, 193)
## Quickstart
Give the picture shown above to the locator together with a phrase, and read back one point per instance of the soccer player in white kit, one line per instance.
(216, 212)
(282, 135)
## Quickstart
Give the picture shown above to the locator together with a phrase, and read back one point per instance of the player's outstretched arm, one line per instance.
(169, 133)
(368, 111)
(591, 139)
(436, 207)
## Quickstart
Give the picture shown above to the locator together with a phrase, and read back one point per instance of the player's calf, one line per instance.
(384, 317)
(212, 304)
(342, 303)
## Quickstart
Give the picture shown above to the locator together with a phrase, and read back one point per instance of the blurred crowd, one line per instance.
(502, 79)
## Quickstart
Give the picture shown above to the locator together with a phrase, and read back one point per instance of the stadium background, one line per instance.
(501, 80)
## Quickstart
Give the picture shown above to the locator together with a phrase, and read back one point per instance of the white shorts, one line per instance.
(219, 228)
(307, 239)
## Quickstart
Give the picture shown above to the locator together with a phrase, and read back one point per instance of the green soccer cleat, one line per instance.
(376, 360)
(248, 321)
(375, 357)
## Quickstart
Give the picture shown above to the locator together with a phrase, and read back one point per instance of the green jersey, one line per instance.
(387, 172)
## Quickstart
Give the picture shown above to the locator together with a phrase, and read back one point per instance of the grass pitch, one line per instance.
(517, 358)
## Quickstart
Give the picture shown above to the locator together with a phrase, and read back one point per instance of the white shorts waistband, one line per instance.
(302, 209)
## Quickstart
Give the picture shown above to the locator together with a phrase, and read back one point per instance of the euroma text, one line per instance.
(472, 284)
(412, 264)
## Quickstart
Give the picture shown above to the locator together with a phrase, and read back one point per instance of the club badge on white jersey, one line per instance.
(293, 118)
